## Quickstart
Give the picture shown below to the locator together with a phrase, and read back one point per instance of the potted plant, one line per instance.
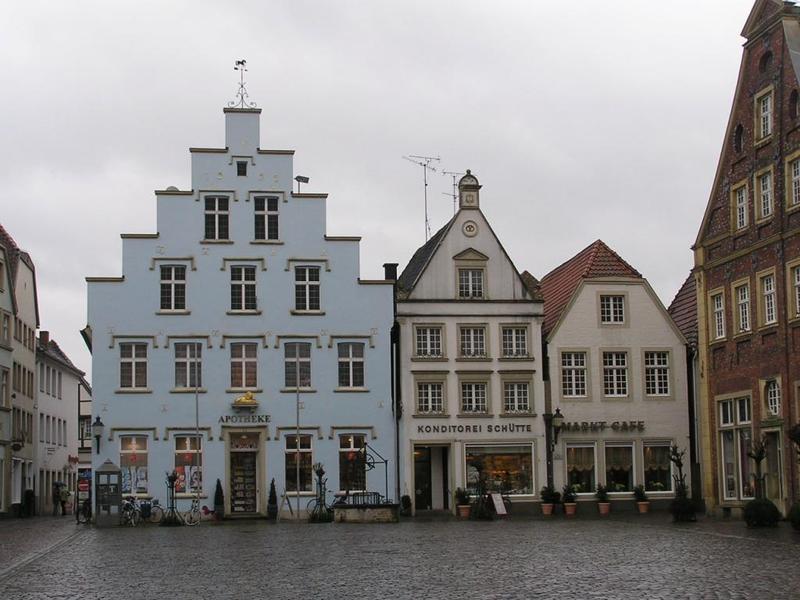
(603, 505)
(219, 501)
(405, 505)
(272, 502)
(462, 502)
(550, 497)
(568, 498)
(641, 499)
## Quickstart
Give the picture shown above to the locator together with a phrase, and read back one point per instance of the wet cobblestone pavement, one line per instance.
(625, 557)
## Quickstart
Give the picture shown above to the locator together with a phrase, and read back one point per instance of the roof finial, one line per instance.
(241, 95)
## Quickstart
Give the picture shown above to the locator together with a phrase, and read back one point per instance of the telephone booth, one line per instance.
(108, 494)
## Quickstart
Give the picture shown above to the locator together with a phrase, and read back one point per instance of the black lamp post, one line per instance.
(553, 423)
(97, 431)
(557, 423)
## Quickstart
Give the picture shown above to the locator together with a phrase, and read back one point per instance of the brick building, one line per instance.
(747, 273)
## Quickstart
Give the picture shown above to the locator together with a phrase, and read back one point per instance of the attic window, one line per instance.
(793, 104)
(737, 138)
(765, 62)
(241, 168)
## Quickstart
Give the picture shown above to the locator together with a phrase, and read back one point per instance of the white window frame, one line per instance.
(303, 357)
(265, 216)
(773, 397)
(198, 451)
(657, 373)
(735, 422)
(768, 298)
(430, 397)
(615, 373)
(290, 451)
(133, 491)
(742, 216)
(718, 312)
(765, 105)
(514, 341)
(794, 174)
(474, 397)
(516, 397)
(471, 282)
(428, 341)
(573, 374)
(634, 466)
(133, 360)
(612, 309)
(303, 286)
(243, 288)
(742, 293)
(218, 217)
(244, 361)
(352, 448)
(766, 205)
(472, 341)
(350, 361)
(191, 365)
(796, 287)
(593, 446)
(171, 283)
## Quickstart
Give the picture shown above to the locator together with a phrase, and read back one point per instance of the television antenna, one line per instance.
(454, 194)
(425, 163)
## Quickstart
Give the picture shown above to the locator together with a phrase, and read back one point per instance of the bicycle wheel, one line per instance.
(156, 514)
(84, 513)
(136, 517)
(191, 516)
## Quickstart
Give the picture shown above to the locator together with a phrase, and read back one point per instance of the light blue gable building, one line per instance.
(238, 292)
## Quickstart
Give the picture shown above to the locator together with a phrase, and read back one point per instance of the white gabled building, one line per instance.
(617, 365)
(471, 365)
(7, 312)
(239, 290)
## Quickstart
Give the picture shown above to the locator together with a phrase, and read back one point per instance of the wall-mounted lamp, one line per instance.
(97, 431)
(300, 179)
(558, 423)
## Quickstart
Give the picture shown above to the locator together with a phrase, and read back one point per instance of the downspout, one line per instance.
(390, 274)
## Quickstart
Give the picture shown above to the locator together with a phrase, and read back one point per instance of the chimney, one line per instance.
(44, 338)
(390, 271)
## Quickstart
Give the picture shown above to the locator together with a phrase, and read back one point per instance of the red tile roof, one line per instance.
(596, 260)
(683, 310)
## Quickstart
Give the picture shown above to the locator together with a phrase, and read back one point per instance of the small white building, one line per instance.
(617, 371)
(59, 388)
(237, 311)
(471, 365)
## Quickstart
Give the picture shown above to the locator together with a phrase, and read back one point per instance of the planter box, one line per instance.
(367, 513)
(570, 508)
(463, 511)
(604, 508)
(547, 508)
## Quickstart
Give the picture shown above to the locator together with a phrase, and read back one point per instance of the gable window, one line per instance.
(738, 138)
(515, 341)
(573, 374)
(430, 398)
(473, 398)
(735, 440)
(244, 365)
(470, 283)
(773, 394)
(718, 323)
(612, 309)
(743, 307)
(740, 194)
(292, 453)
(297, 358)
(243, 288)
(352, 462)
(615, 373)
(429, 342)
(351, 365)
(187, 364)
(306, 288)
(266, 217)
(216, 214)
(188, 464)
(516, 398)
(241, 168)
(173, 287)
(133, 366)
(473, 342)
(656, 373)
(769, 313)
(133, 464)
(765, 195)
(764, 108)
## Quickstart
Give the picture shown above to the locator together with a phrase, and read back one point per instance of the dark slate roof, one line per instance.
(54, 352)
(12, 252)
(683, 310)
(408, 278)
(596, 260)
(533, 286)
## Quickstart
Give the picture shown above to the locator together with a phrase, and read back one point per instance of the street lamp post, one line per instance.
(297, 425)
(196, 424)
(553, 423)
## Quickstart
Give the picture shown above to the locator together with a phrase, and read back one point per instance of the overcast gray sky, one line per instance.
(582, 120)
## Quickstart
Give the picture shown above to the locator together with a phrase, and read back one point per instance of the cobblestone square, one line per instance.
(622, 557)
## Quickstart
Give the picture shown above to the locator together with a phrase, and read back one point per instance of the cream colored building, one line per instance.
(471, 366)
(617, 370)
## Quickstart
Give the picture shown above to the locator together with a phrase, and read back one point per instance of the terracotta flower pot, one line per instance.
(570, 508)
(547, 509)
(463, 511)
(644, 507)
(604, 508)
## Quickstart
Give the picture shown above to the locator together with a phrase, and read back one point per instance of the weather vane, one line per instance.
(241, 95)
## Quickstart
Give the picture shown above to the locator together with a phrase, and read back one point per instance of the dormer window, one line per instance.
(241, 168)
(470, 283)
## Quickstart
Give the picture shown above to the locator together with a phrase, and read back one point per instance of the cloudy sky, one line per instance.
(582, 120)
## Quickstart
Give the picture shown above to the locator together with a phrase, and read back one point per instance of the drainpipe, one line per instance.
(390, 274)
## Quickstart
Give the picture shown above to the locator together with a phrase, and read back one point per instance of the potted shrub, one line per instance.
(462, 502)
(550, 498)
(219, 501)
(405, 505)
(568, 498)
(603, 505)
(642, 503)
(272, 502)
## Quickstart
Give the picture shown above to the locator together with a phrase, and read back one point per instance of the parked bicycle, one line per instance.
(130, 512)
(85, 512)
(192, 516)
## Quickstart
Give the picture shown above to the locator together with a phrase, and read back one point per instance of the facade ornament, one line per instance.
(241, 95)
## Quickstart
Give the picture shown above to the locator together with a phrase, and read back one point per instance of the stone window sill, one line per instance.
(133, 391)
(431, 415)
(240, 313)
(429, 358)
(474, 359)
(216, 241)
(174, 312)
(514, 415)
(348, 390)
(267, 242)
(292, 390)
(307, 312)
(475, 415)
(187, 390)
(241, 390)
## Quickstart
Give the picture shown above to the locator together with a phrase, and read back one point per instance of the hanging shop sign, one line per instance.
(603, 425)
(250, 419)
(480, 428)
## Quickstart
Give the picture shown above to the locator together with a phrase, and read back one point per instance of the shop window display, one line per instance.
(581, 469)
(619, 468)
(657, 469)
(305, 463)
(133, 463)
(188, 464)
(508, 469)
